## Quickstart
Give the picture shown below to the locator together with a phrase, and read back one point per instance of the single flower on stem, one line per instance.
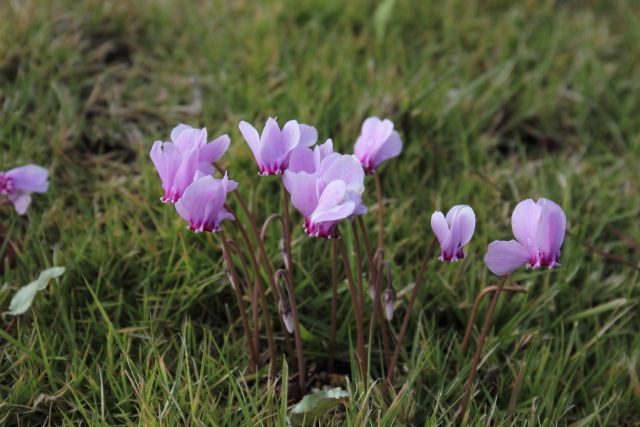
(202, 204)
(453, 231)
(330, 195)
(188, 152)
(273, 147)
(377, 142)
(18, 183)
(539, 228)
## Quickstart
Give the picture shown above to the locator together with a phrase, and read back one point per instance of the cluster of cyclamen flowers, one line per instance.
(327, 188)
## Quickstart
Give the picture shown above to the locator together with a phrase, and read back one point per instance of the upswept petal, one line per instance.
(308, 135)
(467, 222)
(250, 134)
(167, 158)
(290, 136)
(193, 204)
(302, 158)
(186, 172)
(176, 131)
(524, 222)
(31, 178)
(551, 229)
(346, 168)
(439, 226)
(390, 148)
(302, 188)
(215, 149)
(332, 195)
(190, 138)
(503, 257)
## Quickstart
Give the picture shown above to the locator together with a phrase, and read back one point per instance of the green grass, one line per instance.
(496, 101)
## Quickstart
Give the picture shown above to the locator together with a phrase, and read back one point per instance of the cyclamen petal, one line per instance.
(539, 228)
(302, 187)
(188, 152)
(504, 257)
(18, 183)
(202, 204)
(453, 231)
(273, 148)
(377, 143)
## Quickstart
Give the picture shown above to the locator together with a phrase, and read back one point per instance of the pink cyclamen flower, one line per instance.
(273, 147)
(453, 231)
(329, 195)
(377, 142)
(202, 203)
(188, 152)
(539, 228)
(18, 184)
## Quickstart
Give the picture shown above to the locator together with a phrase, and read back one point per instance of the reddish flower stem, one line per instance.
(334, 305)
(253, 291)
(476, 305)
(286, 232)
(266, 263)
(262, 296)
(478, 353)
(296, 329)
(407, 315)
(235, 283)
(267, 222)
(374, 277)
(378, 183)
(360, 348)
(358, 252)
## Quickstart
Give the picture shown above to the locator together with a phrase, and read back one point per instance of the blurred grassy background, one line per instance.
(496, 101)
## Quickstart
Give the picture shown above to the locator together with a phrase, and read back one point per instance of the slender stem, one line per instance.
(236, 286)
(334, 305)
(286, 231)
(476, 356)
(367, 248)
(266, 263)
(358, 251)
(296, 329)
(378, 182)
(374, 277)
(407, 315)
(379, 314)
(476, 305)
(360, 349)
(262, 296)
(268, 221)
(254, 229)
(252, 290)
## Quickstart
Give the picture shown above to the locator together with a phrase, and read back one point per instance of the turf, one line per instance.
(496, 101)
